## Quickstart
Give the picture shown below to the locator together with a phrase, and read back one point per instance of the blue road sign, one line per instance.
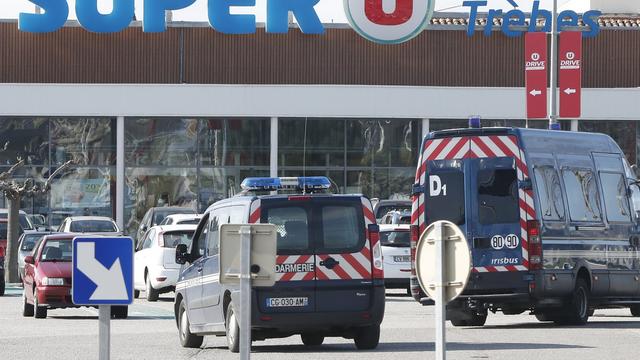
(102, 271)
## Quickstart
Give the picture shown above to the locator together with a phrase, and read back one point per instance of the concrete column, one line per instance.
(425, 127)
(120, 172)
(273, 172)
(574, 125)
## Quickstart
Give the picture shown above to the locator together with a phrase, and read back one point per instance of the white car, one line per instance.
(23, 219)
(181, 219)
(155, 267)
(89, 224)
(396, 255)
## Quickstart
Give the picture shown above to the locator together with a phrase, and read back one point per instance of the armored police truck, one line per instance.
(551, 218)
(330, 279)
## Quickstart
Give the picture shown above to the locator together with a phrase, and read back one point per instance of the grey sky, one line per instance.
(328, 10)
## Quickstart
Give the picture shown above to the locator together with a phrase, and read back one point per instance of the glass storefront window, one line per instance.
(25, 138)
(86, 141)
(441, 124)
(324, 144)
(622, 132)
(82, 191)
(220, 183)
(234, 141)
(160, 141)
(146, 187)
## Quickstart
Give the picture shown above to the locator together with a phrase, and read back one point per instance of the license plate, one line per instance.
(402, 259)
(288, 302)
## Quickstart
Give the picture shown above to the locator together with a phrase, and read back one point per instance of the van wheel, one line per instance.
(27, 309)
(119, 312)
(312, 339)
(635, 310)
(187, 339)
(232, 330)
(152, 294)
(577, 310)
(544, 316)
(367, 338)
(40, 311)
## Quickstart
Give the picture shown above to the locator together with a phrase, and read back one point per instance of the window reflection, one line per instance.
(25, 138)
(85, 141)
(161, 141)
(220, 183)
(623, 132)
(234, 141)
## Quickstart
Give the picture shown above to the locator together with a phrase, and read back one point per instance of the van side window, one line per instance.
(199, 243)
(582, 194)
(498, 196)
(550, 193)
(616, 203)
(213, 247)
(340, 228)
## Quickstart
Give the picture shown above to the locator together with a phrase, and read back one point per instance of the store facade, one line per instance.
(180, 118)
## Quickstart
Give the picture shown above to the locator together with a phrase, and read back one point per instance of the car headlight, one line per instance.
(47, 281)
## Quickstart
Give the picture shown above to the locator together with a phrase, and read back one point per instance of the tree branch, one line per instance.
(63, 167)
(10, 172)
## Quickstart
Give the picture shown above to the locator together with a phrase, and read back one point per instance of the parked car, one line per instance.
(26, 245)
(155, 215)
(396, 255)
(4, 228)
(47, 278)
(39, 222)
(181, 219)
(156, 271)
(382, 207)
(25, 223)
(396, 217)
(329, 270)
(89, 224)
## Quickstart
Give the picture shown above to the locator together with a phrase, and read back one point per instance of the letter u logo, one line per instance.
(388, 21)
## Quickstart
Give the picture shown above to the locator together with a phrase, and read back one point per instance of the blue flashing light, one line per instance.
(555, 126)
(310, 182)
(474, 122)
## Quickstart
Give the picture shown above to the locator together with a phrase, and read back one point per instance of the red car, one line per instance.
(47, 278)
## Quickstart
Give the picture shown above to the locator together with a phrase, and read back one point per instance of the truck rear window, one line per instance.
(444, 197)
(498, 196)
(316, 226)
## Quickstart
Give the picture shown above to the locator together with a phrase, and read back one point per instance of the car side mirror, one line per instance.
(143, 227)
(182, 254)
(29, 259)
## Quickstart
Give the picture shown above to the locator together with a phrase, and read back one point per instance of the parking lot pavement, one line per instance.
(407, 332)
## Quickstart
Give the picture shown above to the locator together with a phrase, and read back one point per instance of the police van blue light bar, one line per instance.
(308, 182)
(474, 122)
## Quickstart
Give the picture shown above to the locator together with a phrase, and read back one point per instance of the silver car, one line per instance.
(26, 243)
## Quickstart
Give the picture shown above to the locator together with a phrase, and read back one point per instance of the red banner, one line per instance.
(536, 68)
(570, 75)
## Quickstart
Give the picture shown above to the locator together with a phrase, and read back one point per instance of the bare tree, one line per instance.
(14, 191)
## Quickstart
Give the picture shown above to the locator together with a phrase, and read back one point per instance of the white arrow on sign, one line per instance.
(569, 91)
(535, 92)
(110, 282)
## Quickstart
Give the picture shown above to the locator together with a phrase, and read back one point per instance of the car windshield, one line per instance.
(56, 250)
(173, 239)
(92, 226)
(163, 213)
(29, 241)
(395, 238)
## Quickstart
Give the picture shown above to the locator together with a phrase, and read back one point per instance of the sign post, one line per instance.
(103, 276)
(570, 77)
(536, 66)
(443, 265)
(247, 256)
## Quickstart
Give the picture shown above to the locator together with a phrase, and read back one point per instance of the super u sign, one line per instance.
(388, 21)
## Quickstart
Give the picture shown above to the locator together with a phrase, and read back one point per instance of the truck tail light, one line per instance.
(535, 245)
(377, 268)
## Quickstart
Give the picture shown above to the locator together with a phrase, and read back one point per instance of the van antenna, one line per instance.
(304, 158)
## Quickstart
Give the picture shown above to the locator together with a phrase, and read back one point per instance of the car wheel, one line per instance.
(136, 294)
(119, 312)
(152, 294)
(367, 338)
(477, 320)
(459, 322)
(40, 312)
(544, 316)
(635, 310)
(312, 339)
(27, 309)
(232, 330)
(577, 309)
(187, 339)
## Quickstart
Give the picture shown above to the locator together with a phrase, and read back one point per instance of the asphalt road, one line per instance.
(407, 333)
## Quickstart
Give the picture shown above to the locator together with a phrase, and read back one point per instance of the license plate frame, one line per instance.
(283, 302)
